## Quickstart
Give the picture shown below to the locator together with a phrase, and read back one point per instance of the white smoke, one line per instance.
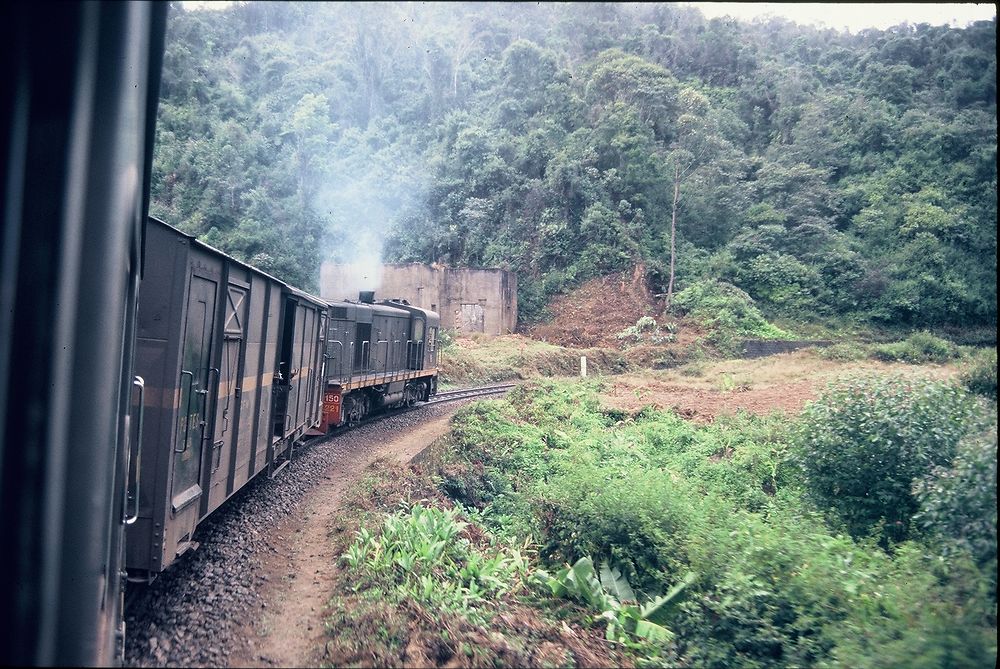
(374, 175)
(366, 195)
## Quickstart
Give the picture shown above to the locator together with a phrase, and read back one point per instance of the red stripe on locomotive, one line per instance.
(331, 408)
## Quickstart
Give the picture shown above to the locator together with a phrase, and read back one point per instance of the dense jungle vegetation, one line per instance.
(827, 175)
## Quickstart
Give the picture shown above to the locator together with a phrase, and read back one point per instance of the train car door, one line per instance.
(227, 414)
(297, 390)
(192, 418)
(285, 397)
(431, 347)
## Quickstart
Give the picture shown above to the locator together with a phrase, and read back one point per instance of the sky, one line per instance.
(839, 15)
(853, 16)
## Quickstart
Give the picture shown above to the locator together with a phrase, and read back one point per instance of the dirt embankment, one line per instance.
(300, 571)
(311, 616)
(703, 405)
(592, 315)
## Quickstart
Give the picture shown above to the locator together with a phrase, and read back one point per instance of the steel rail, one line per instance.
(464, 393)
(439, 398)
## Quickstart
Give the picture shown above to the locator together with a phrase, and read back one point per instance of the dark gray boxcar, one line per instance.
(217, 340)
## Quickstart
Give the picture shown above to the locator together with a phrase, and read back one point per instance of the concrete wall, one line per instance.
(471, 300)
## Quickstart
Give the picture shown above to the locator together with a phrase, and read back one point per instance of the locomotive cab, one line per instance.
(424, 335)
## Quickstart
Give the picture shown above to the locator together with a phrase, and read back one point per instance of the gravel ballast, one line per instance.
(195, 612)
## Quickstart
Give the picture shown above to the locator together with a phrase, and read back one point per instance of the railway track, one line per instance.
(439, 398)
(467, 393)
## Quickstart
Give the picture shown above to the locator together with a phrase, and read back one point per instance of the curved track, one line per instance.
(196, 613)
(443, 397)
(468, 393)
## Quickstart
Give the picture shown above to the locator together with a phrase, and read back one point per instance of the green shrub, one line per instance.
(868, 438)
(655, 497)
(772, 589)
(981, 376)
(958, 505)
(920, 613)
(446, 339)
(743, 458)
(844, 352)
(784, 282)
(728, 312)
(639, 523)
(608, 593)
(918, 348)
(420, 551)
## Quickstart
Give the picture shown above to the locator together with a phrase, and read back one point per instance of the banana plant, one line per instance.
(609, 592)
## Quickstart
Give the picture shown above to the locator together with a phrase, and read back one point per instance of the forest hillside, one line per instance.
(830, 176)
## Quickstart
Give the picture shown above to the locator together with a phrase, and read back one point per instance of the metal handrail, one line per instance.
(187, 408)
(204, 402)
(130, 518)
(385, 363)
(340, 372)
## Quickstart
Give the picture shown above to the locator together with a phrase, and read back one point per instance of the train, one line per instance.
(234, 368)
(144, 376)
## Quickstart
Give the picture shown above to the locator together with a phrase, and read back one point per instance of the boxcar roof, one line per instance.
(211, 249)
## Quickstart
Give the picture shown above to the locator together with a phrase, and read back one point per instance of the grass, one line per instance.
(422, 583)
(481, 359)
(656, 497)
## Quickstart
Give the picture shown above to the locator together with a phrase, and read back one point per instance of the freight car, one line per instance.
(231, 359)
(238, 367)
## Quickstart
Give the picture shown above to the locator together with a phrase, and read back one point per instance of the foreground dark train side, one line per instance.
(239, 366)
(79, 84)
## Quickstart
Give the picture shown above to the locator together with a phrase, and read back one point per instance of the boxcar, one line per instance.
(231, 359)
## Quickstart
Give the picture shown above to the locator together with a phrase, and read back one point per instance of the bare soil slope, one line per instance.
(590, 316)
(301, 569)
(703, 405)
(782, 383)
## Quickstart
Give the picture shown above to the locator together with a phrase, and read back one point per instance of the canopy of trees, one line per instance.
(824, 173)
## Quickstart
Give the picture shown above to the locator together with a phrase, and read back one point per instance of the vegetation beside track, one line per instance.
(691, 545)
(481, 359)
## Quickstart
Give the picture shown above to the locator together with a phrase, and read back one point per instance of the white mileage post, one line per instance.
(583, 365)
